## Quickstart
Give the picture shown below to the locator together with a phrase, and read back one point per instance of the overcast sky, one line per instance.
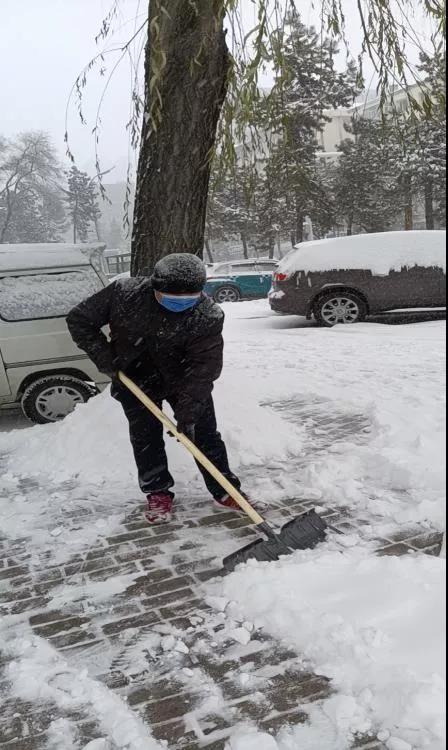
(43, 46)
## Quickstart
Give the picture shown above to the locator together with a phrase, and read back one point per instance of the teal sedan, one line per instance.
(240, 279)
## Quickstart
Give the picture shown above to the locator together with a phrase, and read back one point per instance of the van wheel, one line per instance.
(339, 307)
(53, 397)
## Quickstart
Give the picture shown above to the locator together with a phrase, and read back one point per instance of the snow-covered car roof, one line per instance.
(380, 253)
(51, 255)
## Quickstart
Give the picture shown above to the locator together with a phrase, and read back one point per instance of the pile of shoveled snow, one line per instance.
(374, 625)
(93, 442)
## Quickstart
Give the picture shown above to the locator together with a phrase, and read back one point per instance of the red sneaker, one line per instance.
(228, 503)
(160, 508)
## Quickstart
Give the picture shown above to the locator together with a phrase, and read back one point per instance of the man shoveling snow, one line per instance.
(166, 335)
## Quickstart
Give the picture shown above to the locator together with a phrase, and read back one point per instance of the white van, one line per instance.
(40, 367)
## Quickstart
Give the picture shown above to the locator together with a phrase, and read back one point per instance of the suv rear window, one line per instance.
(239, 268)
(223, 270)
(45, 295)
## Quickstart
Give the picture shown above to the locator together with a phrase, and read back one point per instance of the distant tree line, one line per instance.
(41, 202)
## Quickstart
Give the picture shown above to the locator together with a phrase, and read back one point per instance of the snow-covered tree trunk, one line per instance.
(209, 251)
(186, 72)
(408, 217)
(408, 203)
(75, 220)
(350, 222)
(429, 203)
(299, 222)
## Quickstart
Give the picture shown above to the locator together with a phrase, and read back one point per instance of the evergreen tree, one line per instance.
(429, 142)
(52, 214)
(431, 168)
(83, 209)
(231, 206)
(365, 182)
(313, 85)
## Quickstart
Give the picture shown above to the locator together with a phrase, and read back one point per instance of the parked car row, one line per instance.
(336, 281)
(342, 280)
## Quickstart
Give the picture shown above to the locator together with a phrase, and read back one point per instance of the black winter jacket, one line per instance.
(171, 355)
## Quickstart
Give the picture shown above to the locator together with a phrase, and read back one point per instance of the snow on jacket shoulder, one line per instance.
(181, 353)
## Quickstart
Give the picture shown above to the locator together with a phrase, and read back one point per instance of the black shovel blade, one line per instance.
(261, 550)
(303, 532)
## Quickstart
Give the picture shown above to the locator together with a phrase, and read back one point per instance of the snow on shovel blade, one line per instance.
(303, 532)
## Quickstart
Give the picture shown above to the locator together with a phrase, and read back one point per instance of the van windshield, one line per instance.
(45, 295)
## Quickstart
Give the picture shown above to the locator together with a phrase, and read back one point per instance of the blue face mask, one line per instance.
(175, 303)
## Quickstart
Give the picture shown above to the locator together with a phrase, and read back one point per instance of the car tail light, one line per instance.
(280, 276)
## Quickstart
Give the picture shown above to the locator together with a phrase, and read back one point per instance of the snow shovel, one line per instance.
(303, 532)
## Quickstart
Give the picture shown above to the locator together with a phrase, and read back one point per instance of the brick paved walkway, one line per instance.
(132, 608)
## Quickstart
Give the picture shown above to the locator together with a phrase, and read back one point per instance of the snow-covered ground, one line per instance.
(373, 625)
(389, 376)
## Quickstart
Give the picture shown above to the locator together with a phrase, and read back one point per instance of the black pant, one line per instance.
(146, 433)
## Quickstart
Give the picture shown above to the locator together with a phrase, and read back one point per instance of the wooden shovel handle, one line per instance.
(191, 447)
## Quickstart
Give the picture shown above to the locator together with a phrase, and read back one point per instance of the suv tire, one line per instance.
(339, 307)
(227, 293)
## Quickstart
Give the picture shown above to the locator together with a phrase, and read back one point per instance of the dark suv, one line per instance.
(345, 279)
